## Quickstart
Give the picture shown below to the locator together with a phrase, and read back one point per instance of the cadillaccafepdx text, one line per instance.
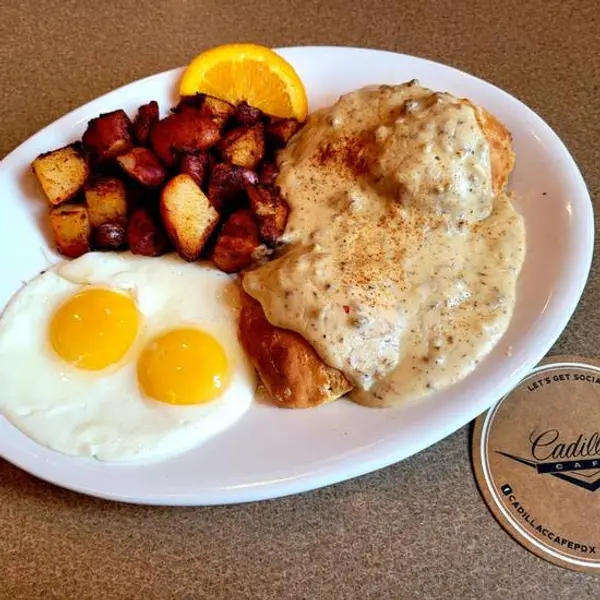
(553, 537)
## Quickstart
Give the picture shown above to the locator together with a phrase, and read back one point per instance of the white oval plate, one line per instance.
(273, 452)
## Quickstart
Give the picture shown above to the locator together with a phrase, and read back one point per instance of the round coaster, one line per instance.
(536, 456)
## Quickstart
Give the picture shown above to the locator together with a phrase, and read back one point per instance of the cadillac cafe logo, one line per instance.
(575, 461)
(536, 457)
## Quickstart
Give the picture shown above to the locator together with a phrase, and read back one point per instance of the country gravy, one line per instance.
(400, 264)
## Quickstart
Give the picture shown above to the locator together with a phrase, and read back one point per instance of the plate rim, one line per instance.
(381, 456)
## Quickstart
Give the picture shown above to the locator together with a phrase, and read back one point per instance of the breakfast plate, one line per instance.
(272, 452)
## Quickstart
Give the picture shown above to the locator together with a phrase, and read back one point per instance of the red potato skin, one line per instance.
(108, 136)
(196, 165)
(109, 236)
(270, 210)
(236, 243)
(143, 166)
(207, 106)
(244, 114)
(147, 116)
(280, 131)
(144, 236)
(182, 132)
(268, 174)
(227, 184)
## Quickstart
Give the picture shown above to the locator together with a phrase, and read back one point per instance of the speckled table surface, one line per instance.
(415, 530)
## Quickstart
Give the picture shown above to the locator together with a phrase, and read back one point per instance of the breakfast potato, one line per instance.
(207, 106)
(188, 216)
(62, 172)
(183, 132)
(217, 109)
(142, 165)
(271, 211)
(106, 200)
(244, 114)
(243, 146)
(236, 243)
(196, 165)
(72, 229)
(109, 236)
(144, 234)
(189, 103)
(268, 174)
(280, 131)
(108, 136)
(145, 119)
(227, 185)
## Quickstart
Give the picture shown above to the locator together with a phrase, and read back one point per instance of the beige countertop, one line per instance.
(415, 530)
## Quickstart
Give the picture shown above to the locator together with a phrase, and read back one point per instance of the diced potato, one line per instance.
(106, 201)
(109, 236)
(190, 104)
(280, 131)
(144, 234)
(145, 119)
(268, 174)
(206, 106)
(271, 211)
(244, 114)
(182, 132)
(226, 188)
(236, 243)
(62, 172)
(142, 165)
(187, 215)
(196, 166)
(243, 146)
(72, 229)
(217, 109)
(108, 136)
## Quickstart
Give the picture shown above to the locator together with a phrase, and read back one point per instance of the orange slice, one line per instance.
(237, 72)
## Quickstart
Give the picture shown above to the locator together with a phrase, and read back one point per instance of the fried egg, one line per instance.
(123, 357)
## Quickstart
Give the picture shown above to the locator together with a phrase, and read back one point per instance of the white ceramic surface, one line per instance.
(273, 452)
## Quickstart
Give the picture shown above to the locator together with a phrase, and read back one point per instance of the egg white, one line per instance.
(104, 414)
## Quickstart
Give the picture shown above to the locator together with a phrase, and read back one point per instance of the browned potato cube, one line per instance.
(109, 236)
(183, 132)
(144, 235)
(268, 174)
(271, 211)
(196, 165)
(187, 215)
(218, 109)
(143, 166)
(192, 103)
(106, 200)
(227, 185)
(237, 241)
(61, 172)
(108, 136)
(72, 230)
(145, 119)
(280, 131)
(207, 106)
(243, 146)
(245, 114)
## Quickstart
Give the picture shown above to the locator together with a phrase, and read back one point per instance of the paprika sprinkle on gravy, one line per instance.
(401, 254)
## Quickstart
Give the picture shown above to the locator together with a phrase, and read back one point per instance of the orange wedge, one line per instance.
(249, 72)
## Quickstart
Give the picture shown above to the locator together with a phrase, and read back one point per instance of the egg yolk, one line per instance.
(94, 328)
(183, 366)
